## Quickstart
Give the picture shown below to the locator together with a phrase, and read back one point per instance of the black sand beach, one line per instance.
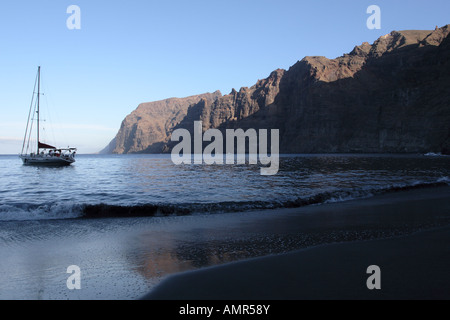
(406, 234)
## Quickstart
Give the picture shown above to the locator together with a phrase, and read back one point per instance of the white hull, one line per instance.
(47, 160)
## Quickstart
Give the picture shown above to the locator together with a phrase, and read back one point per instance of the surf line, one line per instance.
(213, 152)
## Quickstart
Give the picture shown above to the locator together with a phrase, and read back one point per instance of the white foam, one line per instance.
(444, 179)
(41, 212)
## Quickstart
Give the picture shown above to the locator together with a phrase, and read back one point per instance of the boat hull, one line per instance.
(47, 161)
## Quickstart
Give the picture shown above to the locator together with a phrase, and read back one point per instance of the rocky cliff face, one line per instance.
(387, 97)
(236, 106)
(147, 129)
(391, 96)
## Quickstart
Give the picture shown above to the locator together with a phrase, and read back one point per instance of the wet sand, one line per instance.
(410, 245)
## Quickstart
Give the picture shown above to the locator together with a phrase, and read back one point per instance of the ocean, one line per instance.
(151, 185)
(129, 220)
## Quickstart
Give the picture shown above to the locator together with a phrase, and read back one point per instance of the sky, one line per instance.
(129, 52)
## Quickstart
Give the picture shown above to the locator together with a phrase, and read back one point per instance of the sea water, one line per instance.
(129, 220)
(111, 185)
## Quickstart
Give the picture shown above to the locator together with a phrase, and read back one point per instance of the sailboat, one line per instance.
(45, 154)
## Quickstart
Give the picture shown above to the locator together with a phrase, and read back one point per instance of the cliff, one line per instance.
(389, 96)
(147, 129)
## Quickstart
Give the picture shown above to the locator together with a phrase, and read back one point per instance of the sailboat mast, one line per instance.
(39, 93)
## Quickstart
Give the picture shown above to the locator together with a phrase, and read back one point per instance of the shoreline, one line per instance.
(93, 211)
(126, 258)
(414, 264)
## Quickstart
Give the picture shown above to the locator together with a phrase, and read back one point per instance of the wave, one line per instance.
(434, 154)
(52, 211)
(67, 210)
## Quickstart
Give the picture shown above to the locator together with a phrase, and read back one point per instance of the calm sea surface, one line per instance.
(112, 184)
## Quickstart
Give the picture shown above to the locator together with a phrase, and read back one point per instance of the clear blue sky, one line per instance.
(134, 51)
